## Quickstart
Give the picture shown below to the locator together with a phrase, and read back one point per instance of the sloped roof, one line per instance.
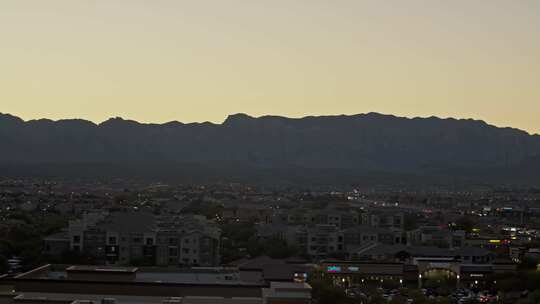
(258, 263)
(425, 251)
(129, 222)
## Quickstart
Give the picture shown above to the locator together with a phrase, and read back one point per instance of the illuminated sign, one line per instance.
(353, 269)
(333, 269)
(495, 241)
(439, 265)
(474, 275)
(300, 277)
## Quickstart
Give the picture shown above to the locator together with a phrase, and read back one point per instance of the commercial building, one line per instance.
(96, 284)
(414, 265)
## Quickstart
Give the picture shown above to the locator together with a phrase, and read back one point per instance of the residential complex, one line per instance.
(128, 237)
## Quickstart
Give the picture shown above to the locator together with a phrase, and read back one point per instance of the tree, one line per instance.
(529, 263)
(532, 298)
(410, 222)
(399, 299)
(464, 223)
(440, 300)
(325, 292)
(417, 296)
(236, 239)
(376, 298)
(509, 284)
(391, 284)
(278, 249)
(3, 265)
(530, 280)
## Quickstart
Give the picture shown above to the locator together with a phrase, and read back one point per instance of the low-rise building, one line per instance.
(141, 238)
(51, 284)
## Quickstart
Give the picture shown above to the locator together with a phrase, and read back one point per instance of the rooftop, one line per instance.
(129, 299)
(203, 276)
(424, 251)
(102, 269)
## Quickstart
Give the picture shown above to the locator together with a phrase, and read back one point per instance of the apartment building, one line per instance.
(362, 236)
(325, 239)
(438, 236)
(329, 216)
(142, 238)
(384, 219)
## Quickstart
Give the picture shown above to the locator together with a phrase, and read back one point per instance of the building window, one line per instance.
(76, 248)
(149, 241)
(112, 240)
(76, 239)
(173, 251)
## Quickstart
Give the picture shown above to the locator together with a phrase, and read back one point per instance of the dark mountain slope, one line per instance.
(356, 144)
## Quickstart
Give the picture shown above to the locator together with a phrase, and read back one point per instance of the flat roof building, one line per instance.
(126, 285)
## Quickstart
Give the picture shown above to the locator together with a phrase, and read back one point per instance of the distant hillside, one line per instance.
(357, 145)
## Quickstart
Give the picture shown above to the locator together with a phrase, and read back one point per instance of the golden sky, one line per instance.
(200, 60)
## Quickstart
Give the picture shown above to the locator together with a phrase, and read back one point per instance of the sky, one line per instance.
(201, 60)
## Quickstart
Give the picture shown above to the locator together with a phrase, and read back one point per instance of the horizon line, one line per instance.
(268, 116)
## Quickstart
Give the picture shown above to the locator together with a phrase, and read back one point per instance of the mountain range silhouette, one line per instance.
(357, 145)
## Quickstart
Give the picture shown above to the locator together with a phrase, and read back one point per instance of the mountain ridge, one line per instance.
(360, 143)
(247, 116)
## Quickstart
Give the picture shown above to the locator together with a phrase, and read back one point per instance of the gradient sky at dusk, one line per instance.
(162, 60)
